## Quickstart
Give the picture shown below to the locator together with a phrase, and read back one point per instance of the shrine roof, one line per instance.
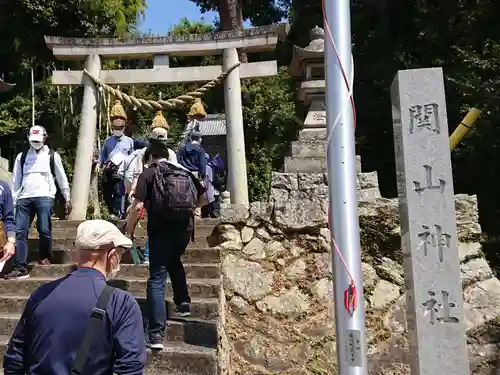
(263, 38)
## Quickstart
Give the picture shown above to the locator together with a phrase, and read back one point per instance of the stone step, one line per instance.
(64, 224)
(70, 231)
(193, 271)
(189, 330)
(201, 308)
(202, 288)
(311, 165)
(177, 358)
(63, 252)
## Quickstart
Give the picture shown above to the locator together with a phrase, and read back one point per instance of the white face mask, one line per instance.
(36, 145)
(118, 133)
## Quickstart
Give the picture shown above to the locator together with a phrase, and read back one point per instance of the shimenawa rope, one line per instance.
(162, 104)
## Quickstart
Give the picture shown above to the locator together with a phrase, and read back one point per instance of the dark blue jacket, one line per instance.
(7, 209)
(53, 323)
(192, 157)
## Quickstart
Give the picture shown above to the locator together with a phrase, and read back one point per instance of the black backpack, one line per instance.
(175, 192)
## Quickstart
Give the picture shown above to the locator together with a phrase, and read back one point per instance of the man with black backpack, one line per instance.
(78, 324)
(37, 175)
(170, 194)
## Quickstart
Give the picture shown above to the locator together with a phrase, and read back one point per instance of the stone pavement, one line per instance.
(190, 342)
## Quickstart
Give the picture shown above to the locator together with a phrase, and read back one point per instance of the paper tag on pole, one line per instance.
(353, 348)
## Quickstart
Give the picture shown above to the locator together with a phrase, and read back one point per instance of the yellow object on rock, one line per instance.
(197, 109)
(117, 111)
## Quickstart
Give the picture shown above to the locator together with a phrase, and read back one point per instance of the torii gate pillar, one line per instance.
(86, 140)
(237, 168)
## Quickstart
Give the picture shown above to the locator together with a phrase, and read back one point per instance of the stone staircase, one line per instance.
(189, 343)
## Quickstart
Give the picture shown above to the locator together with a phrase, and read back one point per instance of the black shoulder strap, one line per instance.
(23, 160)
(52, 164)
(96, 318)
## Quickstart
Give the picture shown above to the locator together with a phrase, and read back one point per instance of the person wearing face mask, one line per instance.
(114, 152)
(36, 177)
(59, 316)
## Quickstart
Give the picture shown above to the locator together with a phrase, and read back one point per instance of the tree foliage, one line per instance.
(259, 12)
(388, 35)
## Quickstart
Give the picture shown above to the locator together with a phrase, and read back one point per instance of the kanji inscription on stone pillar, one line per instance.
(428, 224)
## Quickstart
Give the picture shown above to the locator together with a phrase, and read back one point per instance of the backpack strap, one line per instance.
(23, 160)
(52, 164)
(96, 317)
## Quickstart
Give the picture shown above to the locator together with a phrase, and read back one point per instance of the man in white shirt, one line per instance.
(37, 174)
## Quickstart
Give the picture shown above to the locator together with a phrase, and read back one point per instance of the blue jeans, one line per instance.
(146, 249)
(26, 209)
(166, 249)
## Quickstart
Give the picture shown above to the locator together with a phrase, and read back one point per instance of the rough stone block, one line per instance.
(312, 135)
(233, 213)
(308, 150)
(368, 180)
(286, 181)
(311, 165)
(299, 215)
(369, 194)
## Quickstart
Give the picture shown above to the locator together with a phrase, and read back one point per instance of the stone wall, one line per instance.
(276, 294)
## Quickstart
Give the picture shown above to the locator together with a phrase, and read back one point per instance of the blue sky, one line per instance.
(161, 15)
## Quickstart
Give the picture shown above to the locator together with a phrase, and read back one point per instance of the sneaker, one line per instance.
(146, 261)
(156, 342)
(183, 309)
(17, 275)
(44, 262)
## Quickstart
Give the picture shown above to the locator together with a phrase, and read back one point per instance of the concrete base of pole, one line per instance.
(237, 166)
(86, 139)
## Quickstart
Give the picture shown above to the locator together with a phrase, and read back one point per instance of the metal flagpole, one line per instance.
(32, 97)
(341, 167)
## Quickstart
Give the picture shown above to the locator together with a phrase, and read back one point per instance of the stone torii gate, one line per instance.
(159, 49)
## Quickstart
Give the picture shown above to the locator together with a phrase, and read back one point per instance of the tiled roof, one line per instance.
(211, 125)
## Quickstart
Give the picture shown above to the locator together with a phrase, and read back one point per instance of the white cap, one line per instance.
(100, 235)
(158, 133)
(37, 133)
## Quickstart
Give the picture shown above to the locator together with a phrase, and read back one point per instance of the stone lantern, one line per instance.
(308, 64)
(308, 152)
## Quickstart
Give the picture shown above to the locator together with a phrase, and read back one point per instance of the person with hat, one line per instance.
(114, 152)
(37, 175)
(78, 324)
(158, 132)
(192, 156)
(127, 168)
